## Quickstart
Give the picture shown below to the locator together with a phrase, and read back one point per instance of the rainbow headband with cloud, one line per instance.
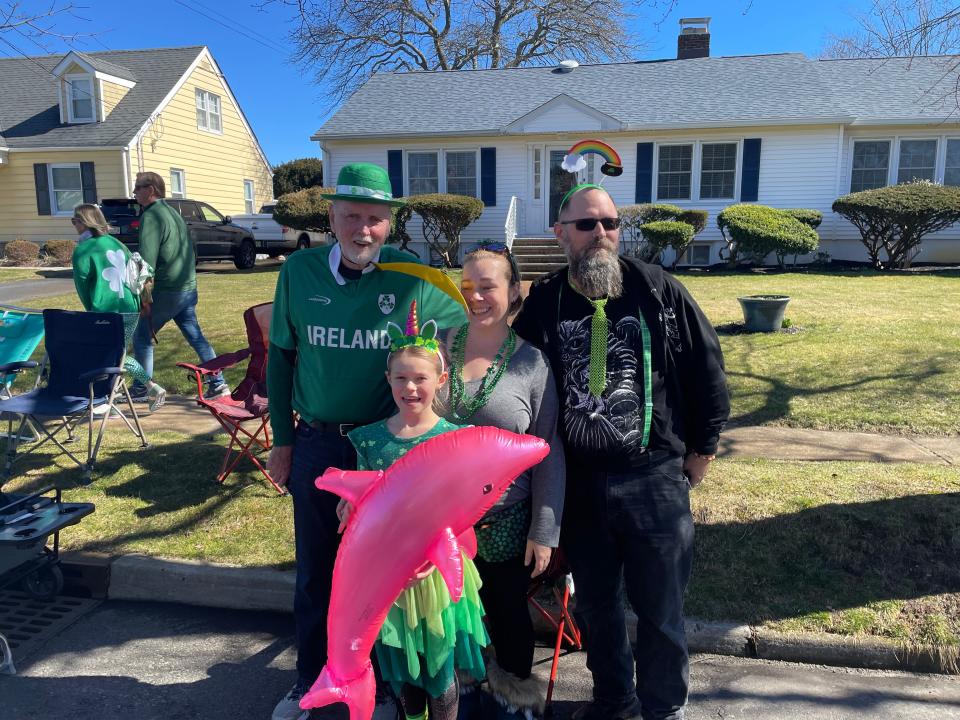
(575, 160)
(415, 336)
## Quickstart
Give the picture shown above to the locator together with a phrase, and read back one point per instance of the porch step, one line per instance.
(537, 256)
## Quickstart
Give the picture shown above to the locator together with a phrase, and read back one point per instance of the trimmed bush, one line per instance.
(668, 233)
(632, 217)
(754, 231)
(296, 175)
(21, 252)
(811, 218)
(304, 210)
(60, 252)
(697, 219)
(896, 218)
(444, 218)
(398, 229)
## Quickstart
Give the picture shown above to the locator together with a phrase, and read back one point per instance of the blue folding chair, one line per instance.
(21, 330)
(84, 357)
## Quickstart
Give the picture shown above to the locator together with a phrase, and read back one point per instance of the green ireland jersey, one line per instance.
(339, 331)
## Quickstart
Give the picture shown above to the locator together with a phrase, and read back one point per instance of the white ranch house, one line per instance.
(699, 132)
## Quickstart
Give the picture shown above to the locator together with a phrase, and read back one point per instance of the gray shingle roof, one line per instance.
(714, 91)
(30, 116)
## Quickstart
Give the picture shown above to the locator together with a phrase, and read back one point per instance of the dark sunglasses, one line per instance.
(501, 249)
(588, 224)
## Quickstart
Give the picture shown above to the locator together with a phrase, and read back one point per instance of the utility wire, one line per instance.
(269, 46)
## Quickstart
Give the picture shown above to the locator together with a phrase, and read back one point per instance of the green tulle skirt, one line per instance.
(426, 636)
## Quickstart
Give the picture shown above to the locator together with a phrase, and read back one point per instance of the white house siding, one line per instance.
(942, 247)
(800, 167)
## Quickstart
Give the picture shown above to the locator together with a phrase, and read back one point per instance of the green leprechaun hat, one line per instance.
(364, 182)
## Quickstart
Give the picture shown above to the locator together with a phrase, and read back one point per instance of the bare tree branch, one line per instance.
(900, 28)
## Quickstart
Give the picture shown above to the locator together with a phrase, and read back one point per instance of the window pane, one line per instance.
(81, 94)
(673, 177)
(536, 174)
(462, 173)
(67, 200)
(870, 163)
(176, 183)
(215, 122)
(201, 119)
(718, 170)
(423, 173)
(951, 170)
(209, 214)
(66, 178)
(917, 160)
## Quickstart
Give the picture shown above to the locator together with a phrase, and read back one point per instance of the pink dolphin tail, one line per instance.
(359, 694)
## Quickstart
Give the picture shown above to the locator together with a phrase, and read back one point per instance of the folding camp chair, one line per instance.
(556, 575)
(84, 357)
(21, 330)
(248, 401)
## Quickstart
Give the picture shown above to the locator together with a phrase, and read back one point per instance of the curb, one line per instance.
(190, 582)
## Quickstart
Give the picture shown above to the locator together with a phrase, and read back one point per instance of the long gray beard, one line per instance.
(598, 274)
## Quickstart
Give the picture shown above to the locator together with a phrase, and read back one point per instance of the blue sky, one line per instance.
(285, 107)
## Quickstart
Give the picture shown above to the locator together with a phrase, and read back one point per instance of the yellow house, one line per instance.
(79, 127)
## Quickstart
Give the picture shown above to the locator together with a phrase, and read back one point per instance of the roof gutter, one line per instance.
(83, 148)
(756, 122)
(870, 122)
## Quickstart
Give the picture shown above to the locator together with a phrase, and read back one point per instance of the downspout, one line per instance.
(125, 154)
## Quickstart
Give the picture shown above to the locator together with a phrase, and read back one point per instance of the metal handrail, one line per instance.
(510, 224)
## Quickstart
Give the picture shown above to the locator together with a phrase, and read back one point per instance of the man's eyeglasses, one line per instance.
(588, 224)
(501, 249)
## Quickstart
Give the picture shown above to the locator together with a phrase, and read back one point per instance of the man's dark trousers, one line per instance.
(637, 524)
(315, 522)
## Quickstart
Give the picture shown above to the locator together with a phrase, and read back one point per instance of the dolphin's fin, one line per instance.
(445, 554)
(359, 694)
(351, 485)
(468, 542)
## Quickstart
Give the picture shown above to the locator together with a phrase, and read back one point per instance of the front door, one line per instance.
(559, 181)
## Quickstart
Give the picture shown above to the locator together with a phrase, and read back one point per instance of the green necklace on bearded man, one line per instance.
(458, 394)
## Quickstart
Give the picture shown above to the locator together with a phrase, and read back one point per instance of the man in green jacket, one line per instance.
(328, 352)
(165, 244)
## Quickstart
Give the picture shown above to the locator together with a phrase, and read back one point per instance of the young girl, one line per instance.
(425, 634)
(99, 271)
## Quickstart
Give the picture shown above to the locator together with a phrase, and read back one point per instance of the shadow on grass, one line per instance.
(825, 558)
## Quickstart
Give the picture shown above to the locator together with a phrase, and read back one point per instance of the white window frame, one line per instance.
(937, 167)
(248, 202)
(686, 257)
(441, 154)
(201, 98)
(476, 168)
(182, 193)
(942, 157)
(538, 174)
(892, 144)
(699, 164)
(71, 118)
(693, 174)
(54, 206)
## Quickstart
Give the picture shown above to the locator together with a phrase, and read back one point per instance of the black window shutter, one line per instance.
(488, 176)
(88, 180)
(43, 188)
(750, 172)
(644, 191)
(395, 171)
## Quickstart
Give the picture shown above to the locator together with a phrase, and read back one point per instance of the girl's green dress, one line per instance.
(425, 635)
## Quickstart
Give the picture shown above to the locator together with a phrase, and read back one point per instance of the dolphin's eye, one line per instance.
(487, 489)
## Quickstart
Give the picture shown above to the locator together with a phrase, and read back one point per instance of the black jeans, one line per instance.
(636, 525)
(504, 596)
(315, 530)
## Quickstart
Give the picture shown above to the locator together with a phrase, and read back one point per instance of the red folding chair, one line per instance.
(247, 404)
(556, 576)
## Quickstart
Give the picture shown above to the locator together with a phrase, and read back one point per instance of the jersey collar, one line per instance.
(335, 256)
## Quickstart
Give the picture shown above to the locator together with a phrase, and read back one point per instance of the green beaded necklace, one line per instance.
(462, 408)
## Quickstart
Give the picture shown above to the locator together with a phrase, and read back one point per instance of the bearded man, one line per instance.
(643, 400)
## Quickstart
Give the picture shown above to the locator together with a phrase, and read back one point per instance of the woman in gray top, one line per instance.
(498, 379)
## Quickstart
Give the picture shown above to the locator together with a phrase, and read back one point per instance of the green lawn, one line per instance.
(848, 548)
(14, 274)
(874, 352)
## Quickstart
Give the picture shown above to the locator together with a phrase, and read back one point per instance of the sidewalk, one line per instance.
(139, 577)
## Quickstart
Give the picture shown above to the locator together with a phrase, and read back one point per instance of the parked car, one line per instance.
(215, 236)
(275, 239)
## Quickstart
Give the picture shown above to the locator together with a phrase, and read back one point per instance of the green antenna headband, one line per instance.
(577, 188)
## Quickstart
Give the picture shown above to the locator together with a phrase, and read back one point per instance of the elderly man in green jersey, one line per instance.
(328, 351)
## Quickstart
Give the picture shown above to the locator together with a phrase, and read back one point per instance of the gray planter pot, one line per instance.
(763, 313)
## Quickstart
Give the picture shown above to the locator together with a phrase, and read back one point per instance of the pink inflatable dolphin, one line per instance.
(421, 510)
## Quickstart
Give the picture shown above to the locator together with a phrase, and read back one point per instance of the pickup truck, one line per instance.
(215, 236)
(273, 238)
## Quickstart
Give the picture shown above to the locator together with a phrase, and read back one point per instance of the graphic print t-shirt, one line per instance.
(608, 429)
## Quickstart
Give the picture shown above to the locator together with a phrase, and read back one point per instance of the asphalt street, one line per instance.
(154, 661)
(14, 292)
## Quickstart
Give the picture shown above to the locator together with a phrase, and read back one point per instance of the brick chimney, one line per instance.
(694, 38)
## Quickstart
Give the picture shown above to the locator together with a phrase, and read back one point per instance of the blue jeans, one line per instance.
(636, 526)
(315, 531)
(181, 307)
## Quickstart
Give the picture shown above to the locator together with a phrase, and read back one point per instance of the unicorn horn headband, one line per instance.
(415, 336)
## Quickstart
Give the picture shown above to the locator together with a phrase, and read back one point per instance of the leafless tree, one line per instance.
(343, 42)
(900, 28)
(35, 21)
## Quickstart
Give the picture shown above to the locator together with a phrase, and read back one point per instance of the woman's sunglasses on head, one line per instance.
(501, 248)
(588, 224)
